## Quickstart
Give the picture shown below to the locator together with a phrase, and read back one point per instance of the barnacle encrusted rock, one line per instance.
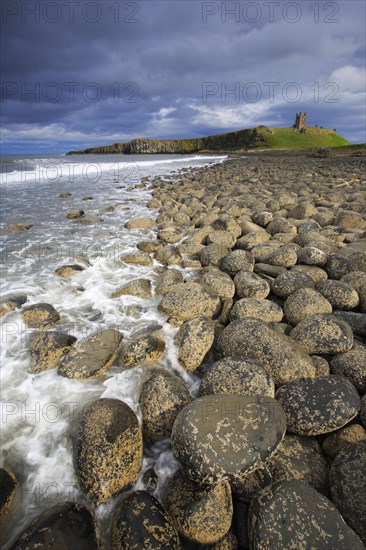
(237, 376)
(195, 339)
(250, 285)
(303, 303)
(352, 365)
(107, 448)
(291, 514)
(140, 521)
(323, 333)
(162, 396)
(92, 356)
(46, 349)
(12, 302)
(8, 490)
(256, 308)
(284, 359)
(287, 283)
(189, 300)
(40, 315)
(66, 525)
(138, 287)
(68, 270)
(200, 514)
(341, 295)
(141, 349)
(319, 406)
(223, 436)
(348, 486)
(301, 458)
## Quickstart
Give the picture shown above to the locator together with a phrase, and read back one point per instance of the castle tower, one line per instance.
(300, 121)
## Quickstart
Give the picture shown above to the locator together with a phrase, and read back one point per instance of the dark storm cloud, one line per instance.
(176, 68)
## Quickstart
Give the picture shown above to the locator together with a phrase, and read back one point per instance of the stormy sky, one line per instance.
(77, 74)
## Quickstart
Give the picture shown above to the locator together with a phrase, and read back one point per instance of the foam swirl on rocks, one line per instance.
(315, 407)
(284, 359)
(221, 437)
(107, 449)
(291, 514)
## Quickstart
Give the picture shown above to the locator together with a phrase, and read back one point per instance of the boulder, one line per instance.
(141, 349)
(136, 258)
(304, 303)
(68, 270)
(91, 356)
(288, 282)
(257, 308)
(285, 360)
(138, 287)
(319, 406)
(200, 514)
(167, 280)
(237, 376)
(237, 260)
(250, 285)
(140, 521)
(323, 333)
(40, 316)
(140, 223)
(65, 525)
(12, 302)
(107, 449)
(189, 300)
(47, 348)
(220, 437)
(348, 486)
(275, 511)
(162, 397)
(9, 488)
(195, 338)
(336, 441)
(219, 282)
(352, 365)
(340, 295)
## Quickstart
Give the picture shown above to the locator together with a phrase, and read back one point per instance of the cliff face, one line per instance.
(240, 139)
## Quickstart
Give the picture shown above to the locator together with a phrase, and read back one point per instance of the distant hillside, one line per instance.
(261, 137)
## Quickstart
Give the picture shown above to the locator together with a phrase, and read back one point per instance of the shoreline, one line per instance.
(245, 250)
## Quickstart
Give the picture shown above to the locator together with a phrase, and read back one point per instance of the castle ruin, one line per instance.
(300, 122)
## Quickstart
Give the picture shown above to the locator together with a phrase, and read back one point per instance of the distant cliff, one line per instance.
(261, 137)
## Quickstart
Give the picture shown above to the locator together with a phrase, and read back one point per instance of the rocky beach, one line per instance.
(246, 345)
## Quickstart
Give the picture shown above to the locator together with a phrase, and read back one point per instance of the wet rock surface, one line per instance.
(92, 356)
(348, 486)
(66, 525)
(200, 514)
(163, 395)
(319, 406)
(275, 511)
(140, 521)
(107, 449)
(40, 315)
(9, 488)
(47, 348)
(194, 340)
(223, 436)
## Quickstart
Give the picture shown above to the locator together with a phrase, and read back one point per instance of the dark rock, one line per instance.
(236, 261)
(107, 449)
(141, 349)
(300, 458)
(275, 511)
(47, 348)
(137, 287)
(237, 376)
(200, 514)
(167, 280)
(323, 333)
(322, 367)
(357, 321)
(189, 300)
(287, 283)
(66, 525)
(304, 303)
(340, 295)
(352, 365)
(9, 488)
(317, 274)
(348, 486)
(212, 254)
(12, 302)
(277, 353)
(319, 406)
(140, 521)
(248, 485)
(250, 285)
(195, 339)
(224, 436)
(257, 308)
(40, 315)
(339, 439)
(92, 356)
(68, 270)
(162, 396)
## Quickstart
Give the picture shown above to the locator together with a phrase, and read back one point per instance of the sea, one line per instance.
(37, 411)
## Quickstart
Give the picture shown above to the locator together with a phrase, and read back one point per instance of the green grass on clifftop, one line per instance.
(288, 138)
